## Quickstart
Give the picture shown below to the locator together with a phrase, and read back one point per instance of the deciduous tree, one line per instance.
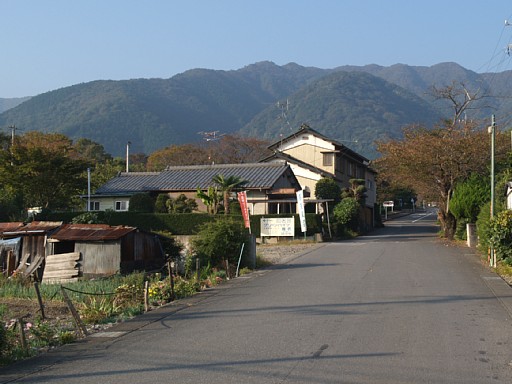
(432, 161)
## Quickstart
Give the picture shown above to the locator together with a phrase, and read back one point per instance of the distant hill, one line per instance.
(6, 104)
(354, 107)
(345, 103)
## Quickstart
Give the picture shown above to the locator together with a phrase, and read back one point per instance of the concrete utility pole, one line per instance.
(127, 156)
(492, 131)
(13, 133)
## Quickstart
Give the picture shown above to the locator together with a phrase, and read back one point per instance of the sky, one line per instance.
(50, 44)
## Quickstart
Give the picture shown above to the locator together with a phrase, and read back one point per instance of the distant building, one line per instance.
(269, 186)
(312, 156)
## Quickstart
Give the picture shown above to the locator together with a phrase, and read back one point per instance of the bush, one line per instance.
(468, 197)
(501, 235)
(483, 225)
(346, 212)
(219, 240)
(141, 202)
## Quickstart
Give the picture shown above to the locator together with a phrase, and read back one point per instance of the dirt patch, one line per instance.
(282, 252)
(29, 309)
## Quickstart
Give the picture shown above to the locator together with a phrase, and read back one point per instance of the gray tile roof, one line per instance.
(131, 182)
(189, 178)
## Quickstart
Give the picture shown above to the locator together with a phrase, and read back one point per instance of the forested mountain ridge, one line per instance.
(6, 104)
(345, 103)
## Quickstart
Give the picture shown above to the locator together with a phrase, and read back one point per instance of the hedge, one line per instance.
(180, 223)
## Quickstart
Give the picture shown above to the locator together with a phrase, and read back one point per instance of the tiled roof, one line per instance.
(189, 178)
(128, 182)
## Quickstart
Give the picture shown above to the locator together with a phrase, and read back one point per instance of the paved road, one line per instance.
(398, 306)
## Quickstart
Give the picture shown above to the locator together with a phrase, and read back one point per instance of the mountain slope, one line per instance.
(6, 104)
(347, 106)
(345, 103)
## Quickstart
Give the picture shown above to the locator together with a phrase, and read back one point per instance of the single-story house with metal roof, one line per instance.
(267, 184)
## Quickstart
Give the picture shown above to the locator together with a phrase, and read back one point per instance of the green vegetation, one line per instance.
(220, 240)
(349, 103)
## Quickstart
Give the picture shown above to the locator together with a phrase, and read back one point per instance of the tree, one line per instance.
(235, 149)
(432, 162)
(468, 198)
(210, 198)
(227, 185)
(181, 204)
(161, 203)
(458, 96)
(175, 155)
(327, 188)
(41, 168)
(356, 190)
(91, 151)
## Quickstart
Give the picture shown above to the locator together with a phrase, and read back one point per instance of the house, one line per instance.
(269, 185)
(312, 156)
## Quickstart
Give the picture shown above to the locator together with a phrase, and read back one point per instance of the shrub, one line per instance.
(501, 235)
(483, 225)
(141, 202)
(468, 197)
(219, 240)
(346, 212)
(87, 218)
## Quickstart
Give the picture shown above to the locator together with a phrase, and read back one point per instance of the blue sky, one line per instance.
(50, 44)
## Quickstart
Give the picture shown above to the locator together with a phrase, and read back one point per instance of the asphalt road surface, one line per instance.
(398, 306)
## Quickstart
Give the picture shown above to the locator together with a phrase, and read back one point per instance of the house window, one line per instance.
(327, 159)
(351, 169)
(94, 206)
(121, 205)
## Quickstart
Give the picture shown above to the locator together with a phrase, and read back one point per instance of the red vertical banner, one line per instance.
(242, 199)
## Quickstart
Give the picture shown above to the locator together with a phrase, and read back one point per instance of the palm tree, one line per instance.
(227, 185)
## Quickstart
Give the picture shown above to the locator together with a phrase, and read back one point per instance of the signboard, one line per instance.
(277, 226)
(302, 212)
(242, 199)
(388, 204)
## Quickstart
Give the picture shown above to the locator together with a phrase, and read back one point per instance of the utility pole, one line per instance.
(127, 156)
(492, 131)
(13, 133)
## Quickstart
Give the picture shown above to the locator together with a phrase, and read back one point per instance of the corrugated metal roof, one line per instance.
(8, 227)
(90, 232)
(189, 178)
(35, 227)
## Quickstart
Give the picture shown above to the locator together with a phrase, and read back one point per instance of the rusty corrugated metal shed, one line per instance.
(90, 232)
(35, 227)
(9, 227)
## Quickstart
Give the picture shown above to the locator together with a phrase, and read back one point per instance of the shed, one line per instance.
(105, 250)
(33, 237)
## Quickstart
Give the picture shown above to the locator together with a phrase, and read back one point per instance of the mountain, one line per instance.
(6, 104)
(262, 100)
(355, 108)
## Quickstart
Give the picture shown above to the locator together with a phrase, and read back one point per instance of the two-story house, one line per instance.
(312, 156)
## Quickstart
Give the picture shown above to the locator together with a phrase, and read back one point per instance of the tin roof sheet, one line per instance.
(90, 232)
